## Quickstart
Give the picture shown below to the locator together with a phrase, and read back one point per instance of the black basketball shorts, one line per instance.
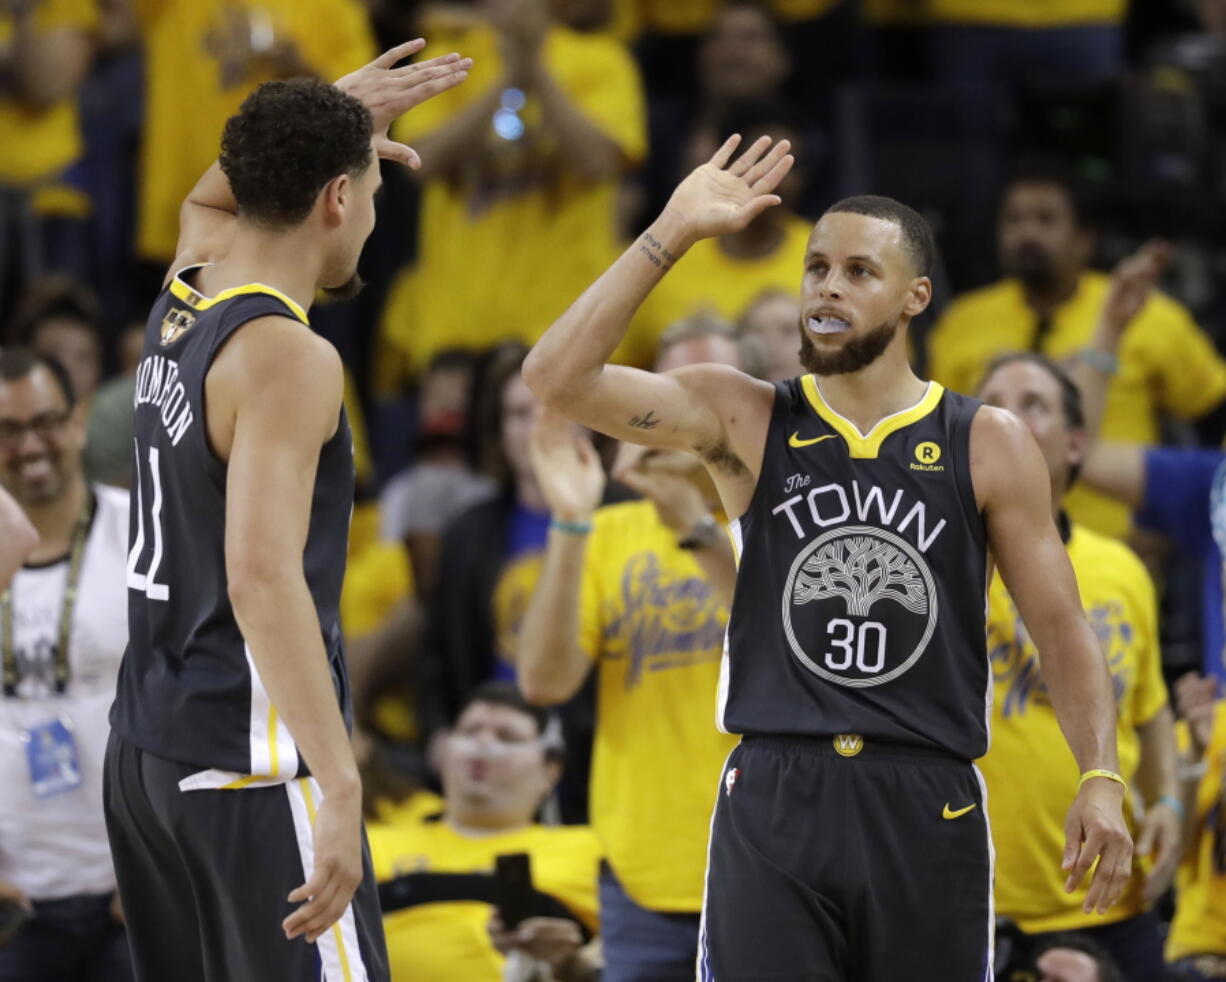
(204, 876)
(840, 861)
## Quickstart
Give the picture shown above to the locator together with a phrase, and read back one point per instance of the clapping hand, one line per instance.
(567, 468)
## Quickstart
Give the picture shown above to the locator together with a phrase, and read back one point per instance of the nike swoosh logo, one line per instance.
(795, 441)
(949, 813)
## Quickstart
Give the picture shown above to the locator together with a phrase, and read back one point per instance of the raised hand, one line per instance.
(567, 469)
(1131, 282)
(1095, 830)
(390, 92)
(725, 195)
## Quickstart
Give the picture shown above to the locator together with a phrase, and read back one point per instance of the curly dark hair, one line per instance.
(286, 142)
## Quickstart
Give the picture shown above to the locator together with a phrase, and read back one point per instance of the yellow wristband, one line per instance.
(1109, 775)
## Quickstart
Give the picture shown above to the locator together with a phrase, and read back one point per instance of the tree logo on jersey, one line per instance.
(859, 606)
(175, 325)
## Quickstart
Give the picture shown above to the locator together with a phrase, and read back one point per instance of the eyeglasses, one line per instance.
(46, 425)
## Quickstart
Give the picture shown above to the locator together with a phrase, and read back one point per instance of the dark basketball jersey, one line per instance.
(861, 592)
(188, 688)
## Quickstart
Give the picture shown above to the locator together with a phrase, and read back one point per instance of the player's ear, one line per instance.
(335, 198)
(919, 295)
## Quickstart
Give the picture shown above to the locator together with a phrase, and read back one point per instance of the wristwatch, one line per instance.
(703, 534)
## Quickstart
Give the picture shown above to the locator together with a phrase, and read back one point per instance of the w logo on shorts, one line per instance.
(848, 744)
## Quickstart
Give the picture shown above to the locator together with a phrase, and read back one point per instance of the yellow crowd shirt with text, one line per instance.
(197, 73)
(1167, 365)
(1030, 771)
(39, 143)
(654, 625)
(1199, 927)
(446, 940)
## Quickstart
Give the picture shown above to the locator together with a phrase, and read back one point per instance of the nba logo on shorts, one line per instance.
(730, 779)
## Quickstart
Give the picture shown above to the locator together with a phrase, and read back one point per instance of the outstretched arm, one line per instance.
(206, 218)
(1012, 488)
(684, 409)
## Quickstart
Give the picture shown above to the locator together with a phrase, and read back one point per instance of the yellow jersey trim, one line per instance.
(199, 301)
(868, 446)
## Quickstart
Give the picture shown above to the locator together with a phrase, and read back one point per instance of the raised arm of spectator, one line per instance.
(47, 64)
(1014, 494)
(550, 662)
(207, 215)
(1195, 697)
(697, 408)
(1132, 281)
(17, 538)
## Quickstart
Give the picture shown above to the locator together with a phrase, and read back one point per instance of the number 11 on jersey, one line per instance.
(146, 581)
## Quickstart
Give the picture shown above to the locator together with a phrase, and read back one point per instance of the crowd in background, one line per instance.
(497, 554)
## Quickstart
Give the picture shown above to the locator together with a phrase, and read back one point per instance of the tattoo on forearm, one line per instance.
(655, 252)
(647, 422)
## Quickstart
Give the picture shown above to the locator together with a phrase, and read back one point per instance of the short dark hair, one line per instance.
(53, 297)
(1070, 395)
(17, 363)
(1054, 173)
(916, 232)
(1108, 971)
(502, 693)
(286, 142)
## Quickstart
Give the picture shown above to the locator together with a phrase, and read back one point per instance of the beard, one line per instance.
(1034, 267)
(347, 290)
(856, 354)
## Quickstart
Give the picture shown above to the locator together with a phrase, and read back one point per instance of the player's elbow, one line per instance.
(544, 378)
(255, 579)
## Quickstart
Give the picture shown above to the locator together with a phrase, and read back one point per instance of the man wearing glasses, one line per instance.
(63, 629)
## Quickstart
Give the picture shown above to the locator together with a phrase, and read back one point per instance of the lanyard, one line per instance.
(12, 676)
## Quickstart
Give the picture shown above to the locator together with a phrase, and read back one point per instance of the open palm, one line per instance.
(725, 195)
(390, 92)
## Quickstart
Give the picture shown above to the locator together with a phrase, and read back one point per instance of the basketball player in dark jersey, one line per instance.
(232, 796)
(850, 840)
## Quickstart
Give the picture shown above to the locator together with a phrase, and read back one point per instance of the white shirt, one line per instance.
(56, 847)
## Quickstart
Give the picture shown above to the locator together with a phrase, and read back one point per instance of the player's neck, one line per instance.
(285, 261)
(56, 520)
(885, 387)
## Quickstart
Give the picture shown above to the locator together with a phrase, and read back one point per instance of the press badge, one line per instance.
(51, 753)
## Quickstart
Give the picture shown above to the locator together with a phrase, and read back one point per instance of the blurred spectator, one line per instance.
(17, 538)
(640, 593)
(521, 167)
(45, 51)
(1177, 492)
(723, 275)
(419, 502)
(1050, 303)
(225, 48)
(1011, 42)
(489, 562)
(1197, 941)
(62, 319)
(1028, 814)
(112, 417)
(500, 762)
(64, 629)
(773, 317)
(1076, 958)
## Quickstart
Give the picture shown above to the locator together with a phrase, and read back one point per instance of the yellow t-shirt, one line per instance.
(195, 82)
(509, 245)
(1167, 365)
(708, 279)
(446, 941)
(38, 144)
(1030, 771)
(695, 16)
(1028, 13)
(655, 627)
(1199, 927)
